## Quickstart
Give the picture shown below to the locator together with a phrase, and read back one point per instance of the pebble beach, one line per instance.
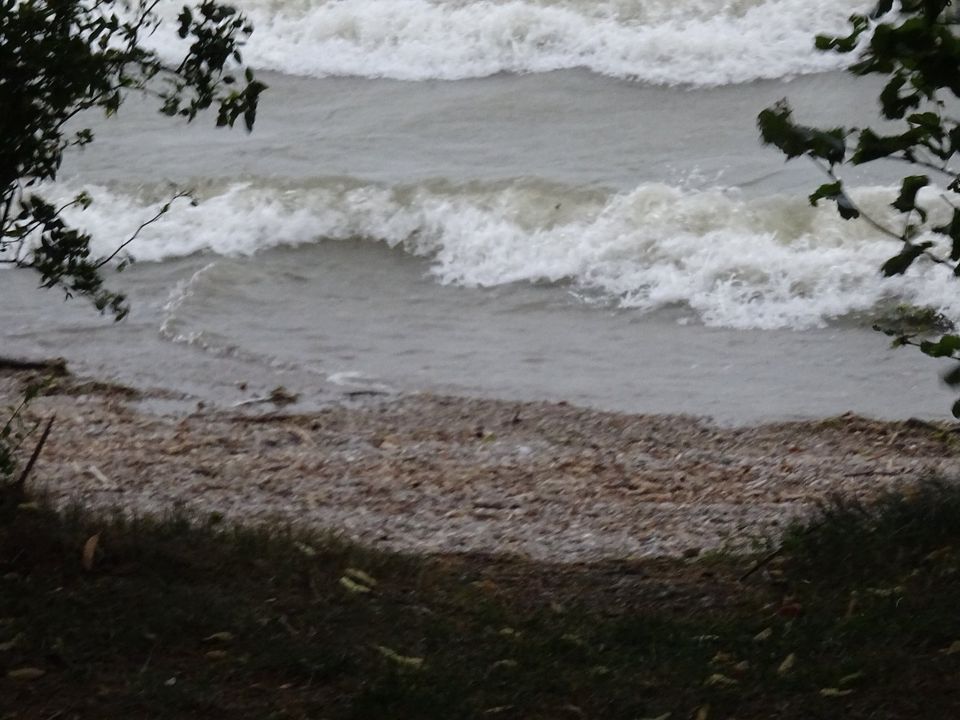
(438, 474)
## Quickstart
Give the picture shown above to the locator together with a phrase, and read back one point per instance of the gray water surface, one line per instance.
(571, 127)
(335, 317)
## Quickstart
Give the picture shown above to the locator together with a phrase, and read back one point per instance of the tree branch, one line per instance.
(144, 224)
(876, 225)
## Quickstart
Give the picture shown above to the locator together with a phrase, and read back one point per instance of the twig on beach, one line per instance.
(98, 474)
(21, 482)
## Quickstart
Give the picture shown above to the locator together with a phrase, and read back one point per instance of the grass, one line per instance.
(172, 618)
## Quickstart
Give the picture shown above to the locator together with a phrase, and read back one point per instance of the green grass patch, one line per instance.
(106, 616)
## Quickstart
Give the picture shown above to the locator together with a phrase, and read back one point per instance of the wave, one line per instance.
(689, 42)
(764, 263)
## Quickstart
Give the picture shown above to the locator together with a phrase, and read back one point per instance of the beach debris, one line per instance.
(357, 581)
(305, 549)
(353, 586)
(719, 680)
(361, 577)
(26, 673)
(850, 679)
(722, 658)
(952, 649)
(98, 474)
(58, 366)
(249, 464)
(279, 396)
(403, 660)
(787, 665)
(20, 484)
(223, 637)
(365, 393)
(89, 551)
(11, 644)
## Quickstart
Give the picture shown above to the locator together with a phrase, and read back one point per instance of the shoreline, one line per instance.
(432, 474)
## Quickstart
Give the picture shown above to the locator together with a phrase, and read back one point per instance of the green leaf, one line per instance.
(893, 104)
(777, 128)
(846, 208)
(898, 264)
(834, 191)
(827, 191)
(946, 346)
(928, 121)
(907, 201)
(844, 44)
(185, 19)
(871, 146)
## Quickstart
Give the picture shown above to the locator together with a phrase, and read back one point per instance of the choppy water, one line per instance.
(561, 200)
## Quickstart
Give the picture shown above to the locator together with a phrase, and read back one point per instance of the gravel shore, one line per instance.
(431, 474)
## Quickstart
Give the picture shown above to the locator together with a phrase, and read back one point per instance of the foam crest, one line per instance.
(761, 263)
(696, 42)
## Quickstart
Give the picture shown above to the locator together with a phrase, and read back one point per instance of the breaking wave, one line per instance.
(691, 42)
(765, 263)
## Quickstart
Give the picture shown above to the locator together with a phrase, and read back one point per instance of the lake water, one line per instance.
(561, 200)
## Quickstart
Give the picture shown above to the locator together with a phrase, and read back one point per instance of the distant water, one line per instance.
(561, 200)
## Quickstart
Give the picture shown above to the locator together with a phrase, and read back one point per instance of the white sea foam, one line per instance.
(182, 292)
(743, 263)
(698, 42)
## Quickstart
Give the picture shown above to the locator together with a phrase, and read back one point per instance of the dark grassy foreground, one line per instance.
(858, 618)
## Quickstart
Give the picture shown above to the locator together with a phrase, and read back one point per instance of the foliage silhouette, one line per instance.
(60, 58)
(916, 47)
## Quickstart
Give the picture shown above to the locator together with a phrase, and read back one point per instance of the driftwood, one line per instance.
(55, 365)
(365, 393)
(278, 396)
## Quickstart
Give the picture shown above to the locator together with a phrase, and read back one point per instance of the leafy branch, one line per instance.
(918, 50)
(61, 58)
